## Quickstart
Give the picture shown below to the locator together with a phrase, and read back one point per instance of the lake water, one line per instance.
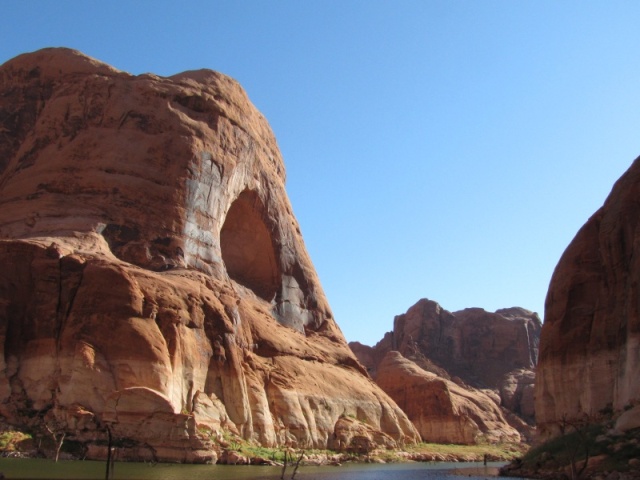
(17, 468)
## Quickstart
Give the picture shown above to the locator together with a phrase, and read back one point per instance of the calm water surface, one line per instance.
(16, 468)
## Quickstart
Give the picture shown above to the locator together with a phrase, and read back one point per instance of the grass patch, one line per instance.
(276, 454)
(273, 454)
(502, 451)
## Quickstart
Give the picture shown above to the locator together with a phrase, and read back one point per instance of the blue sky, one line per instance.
(440, 149)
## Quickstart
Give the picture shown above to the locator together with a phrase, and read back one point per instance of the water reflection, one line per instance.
(89, 470)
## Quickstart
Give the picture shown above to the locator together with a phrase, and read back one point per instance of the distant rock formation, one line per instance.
(441, 410)
(154, 280)
(590, 343)
(490, 354)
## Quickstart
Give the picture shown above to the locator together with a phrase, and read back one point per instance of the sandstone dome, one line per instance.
(154, 277)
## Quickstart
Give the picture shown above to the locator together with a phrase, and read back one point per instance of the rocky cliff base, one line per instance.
(608, 449)
(235, 451)
(171, 362)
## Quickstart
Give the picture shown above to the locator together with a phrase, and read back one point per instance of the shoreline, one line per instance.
(17, 444)
(421, 453)
(35, 469)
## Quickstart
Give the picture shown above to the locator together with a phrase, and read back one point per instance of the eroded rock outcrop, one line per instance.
(493, 354)
(590, 341)
(441, 410)
(478, 346)
(154, 278)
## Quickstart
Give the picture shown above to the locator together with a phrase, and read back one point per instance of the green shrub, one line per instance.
(12, 440)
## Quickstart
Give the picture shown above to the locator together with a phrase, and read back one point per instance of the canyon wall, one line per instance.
(590, 342)
(478, 360)
(442, 410)
(155, 281)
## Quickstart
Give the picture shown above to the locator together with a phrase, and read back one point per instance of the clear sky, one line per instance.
(442, 149)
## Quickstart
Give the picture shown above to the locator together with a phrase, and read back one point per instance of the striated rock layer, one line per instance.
(590, 343)
(154, 277)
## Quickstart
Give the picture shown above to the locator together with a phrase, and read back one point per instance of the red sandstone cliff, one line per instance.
(590, 341)
(488, 356)
(441, 410)
(154, 277)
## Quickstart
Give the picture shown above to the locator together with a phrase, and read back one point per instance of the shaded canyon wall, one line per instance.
(590, 345)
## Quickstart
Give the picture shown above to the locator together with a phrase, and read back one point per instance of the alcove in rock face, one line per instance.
(247, 247)
(116, 258)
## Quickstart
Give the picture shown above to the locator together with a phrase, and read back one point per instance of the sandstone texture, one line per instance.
(154, 280)
(441, 410)
(488, 354)
(590, 342)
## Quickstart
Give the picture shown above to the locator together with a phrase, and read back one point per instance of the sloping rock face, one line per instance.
(590, 341)
(482, 349)
(491, 352)
(154, 280)
(441, 410)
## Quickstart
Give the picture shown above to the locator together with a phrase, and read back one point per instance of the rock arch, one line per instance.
(247, 247)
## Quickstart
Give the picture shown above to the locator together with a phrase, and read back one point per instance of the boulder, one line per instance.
(154, 276)
(629, 420)
(355, 435)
